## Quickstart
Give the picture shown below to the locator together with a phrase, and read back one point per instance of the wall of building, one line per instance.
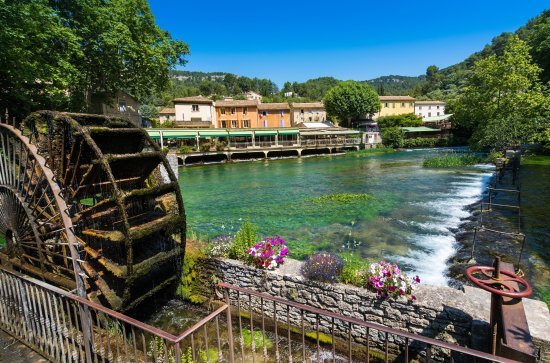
(439, 312)
(185, 113)
(238, 116)
(309, 115)
(429, 110)
(273, 118)
(389, 108)
(124, 106)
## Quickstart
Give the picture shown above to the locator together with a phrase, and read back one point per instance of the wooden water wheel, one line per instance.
(83, 206)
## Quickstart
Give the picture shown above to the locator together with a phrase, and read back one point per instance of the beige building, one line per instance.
(395, 105)
(253, 96)
(308, 112)
(195, 111)
(123, 106)
(273, 115)
(167, 115)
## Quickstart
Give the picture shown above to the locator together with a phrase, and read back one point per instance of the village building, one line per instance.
(273, 115)
(429, 108)
(235, 114)
(193, 112)
(308, 112)
(395, 105)
(253, 96)
(167, 115)
(123, 106)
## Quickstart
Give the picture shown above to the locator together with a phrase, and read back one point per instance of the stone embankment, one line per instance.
(439, 312)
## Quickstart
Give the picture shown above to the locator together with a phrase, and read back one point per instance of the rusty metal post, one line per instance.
(229, 326)
(495, 304)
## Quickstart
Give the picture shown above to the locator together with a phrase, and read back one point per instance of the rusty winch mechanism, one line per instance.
(83, 206)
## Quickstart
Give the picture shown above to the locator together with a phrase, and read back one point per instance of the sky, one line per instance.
(297, 40)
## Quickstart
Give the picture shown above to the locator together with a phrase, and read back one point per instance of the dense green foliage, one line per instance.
(503, 104)
(260, 340)
(394, 85)
(244, 239)
(424, 142)
(406, 120)
(453, 160)
(350, 101)
(72, 55)
(393, 137)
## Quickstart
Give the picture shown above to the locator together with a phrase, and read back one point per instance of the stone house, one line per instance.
(273, 115)
(429, 108)
(193, 112)
(236, 114)
(167, 115)
(308, 112)
(123, 105)
(395, 105)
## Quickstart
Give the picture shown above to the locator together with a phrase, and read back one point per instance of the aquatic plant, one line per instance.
(190, 286)
(323, 267)
(244, 239)
(453, 160)
(341, 198)
(269, 253)
(388, 280)
(219, 246)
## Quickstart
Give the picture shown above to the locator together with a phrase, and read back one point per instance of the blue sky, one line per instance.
(298, 40)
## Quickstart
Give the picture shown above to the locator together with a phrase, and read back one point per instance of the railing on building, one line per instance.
(50, 321)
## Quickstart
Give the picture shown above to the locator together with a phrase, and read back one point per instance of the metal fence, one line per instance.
(66, 328)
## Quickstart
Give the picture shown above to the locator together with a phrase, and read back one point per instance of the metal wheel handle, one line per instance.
(501, 285)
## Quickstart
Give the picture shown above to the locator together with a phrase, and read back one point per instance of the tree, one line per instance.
(393, 137)
(433, 79)
(406, 120)
(351, 100)
(70, 55)
(538, 38)
(499, 91)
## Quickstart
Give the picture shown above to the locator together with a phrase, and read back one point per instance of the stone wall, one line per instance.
(173, 161)
(439, 312)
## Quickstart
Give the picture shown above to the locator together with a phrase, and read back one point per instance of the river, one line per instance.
(411, 218)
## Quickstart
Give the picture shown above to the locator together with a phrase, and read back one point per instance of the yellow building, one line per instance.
(395, 105)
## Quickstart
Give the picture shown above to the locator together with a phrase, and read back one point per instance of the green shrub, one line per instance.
(424, 142)
(393, 137)
(406, 120)
(244, 239)
(354, 269)
(190, 286)
(453, 160)
(205, 146)
(221, 145)
(186, 149)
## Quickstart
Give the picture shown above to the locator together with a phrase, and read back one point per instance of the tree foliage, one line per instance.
(351, 100)
(502, 98)
(68, 55)
(393, 137)
(405, 120)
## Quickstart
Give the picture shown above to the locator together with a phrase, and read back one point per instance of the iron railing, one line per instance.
(50, 321)
(301, 333)
(264, 328)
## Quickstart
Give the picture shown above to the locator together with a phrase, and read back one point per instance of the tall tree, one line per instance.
(351, 100)
(500, 91)
(83, 51)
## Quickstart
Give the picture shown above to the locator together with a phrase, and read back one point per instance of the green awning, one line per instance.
(240, 133)
(154, 134)
(289, 132)
(179, 134)
(266, 132)
(218, 133)
(419, 129)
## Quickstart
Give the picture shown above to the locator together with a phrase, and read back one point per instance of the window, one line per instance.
(301, 111)
(246, 123)
(438, 107)
(411, 104)
(264, 123)
(429, 114)
(233, 124)
(429, 107)
(393, 105)
(232, 110)
(402, 104)
(437, 113)
(419, 107)
(122, 106)
(195, 108)
(245, 110)
(386, 104)
(310, 118)
(264, 113)
(282, 123)
(223, 111)
(224, 124)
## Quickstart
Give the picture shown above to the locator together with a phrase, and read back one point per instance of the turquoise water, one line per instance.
(411, 219)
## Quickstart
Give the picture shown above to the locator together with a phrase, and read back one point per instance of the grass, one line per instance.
(453, 160)
(536, 160)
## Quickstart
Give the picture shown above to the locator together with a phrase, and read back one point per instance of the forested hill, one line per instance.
(395, 85)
